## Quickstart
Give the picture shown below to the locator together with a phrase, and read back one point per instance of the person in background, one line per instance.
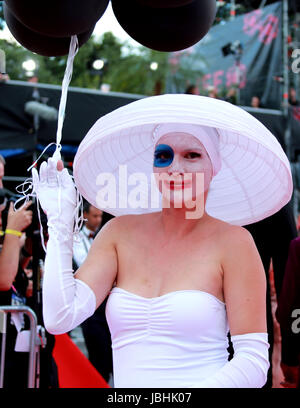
(4, 78)
(34, 79)
(15, 222)
(13, 284)
(81, 247)
(192, 89)
(213, 93)
(2, 165)
(288, 317)
(95, 329)
(272, 237)
(231, 96)
(16, 288)
(293, 97)
(255, 102)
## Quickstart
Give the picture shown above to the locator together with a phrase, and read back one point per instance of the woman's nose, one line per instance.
(176, 167)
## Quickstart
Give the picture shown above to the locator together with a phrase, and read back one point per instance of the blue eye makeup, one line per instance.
(163, 155)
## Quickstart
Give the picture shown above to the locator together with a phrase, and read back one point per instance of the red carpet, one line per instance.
(74, 369)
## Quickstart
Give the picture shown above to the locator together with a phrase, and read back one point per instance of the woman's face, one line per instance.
(182, 168)
(1, 170)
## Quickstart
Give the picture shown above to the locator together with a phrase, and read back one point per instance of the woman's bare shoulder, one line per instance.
(236, 235)
(244, 281)
(231, 232)
(231, 237)
(238, 248)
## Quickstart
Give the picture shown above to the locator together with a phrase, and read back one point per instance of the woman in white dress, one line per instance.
(178, 277)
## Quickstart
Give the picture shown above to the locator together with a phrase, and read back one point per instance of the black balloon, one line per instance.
(41, 44)
(58, 18)
(164, 3)
(165, 29)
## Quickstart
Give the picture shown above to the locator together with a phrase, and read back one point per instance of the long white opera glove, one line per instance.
(67, 301)
(249, 366)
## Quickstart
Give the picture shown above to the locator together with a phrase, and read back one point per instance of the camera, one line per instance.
(33, 230)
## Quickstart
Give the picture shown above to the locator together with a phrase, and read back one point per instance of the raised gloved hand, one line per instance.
(56, 193)
(67, 301)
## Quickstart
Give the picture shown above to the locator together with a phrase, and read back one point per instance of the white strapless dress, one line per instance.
(174, 340)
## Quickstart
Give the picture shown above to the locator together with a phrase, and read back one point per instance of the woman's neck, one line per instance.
(179, 222)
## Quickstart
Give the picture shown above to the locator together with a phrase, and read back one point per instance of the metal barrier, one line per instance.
(33, 341)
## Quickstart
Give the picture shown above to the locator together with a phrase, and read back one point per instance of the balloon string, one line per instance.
(58, 147)
(27, 187)
(73, 49)
(65, 84)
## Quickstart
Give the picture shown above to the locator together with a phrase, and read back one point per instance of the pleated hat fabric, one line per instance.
(114, 162)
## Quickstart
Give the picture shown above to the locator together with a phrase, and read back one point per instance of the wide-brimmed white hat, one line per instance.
(254, 181)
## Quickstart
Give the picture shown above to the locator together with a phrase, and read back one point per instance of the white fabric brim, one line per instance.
(254, 182)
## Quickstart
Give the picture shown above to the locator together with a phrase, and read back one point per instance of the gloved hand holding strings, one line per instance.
(74, 300)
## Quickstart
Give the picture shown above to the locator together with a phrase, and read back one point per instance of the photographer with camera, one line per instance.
(17, 221)
(20, 248)
(12, 223)
(13, 285)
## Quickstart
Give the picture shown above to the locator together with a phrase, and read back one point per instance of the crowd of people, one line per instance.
(231, 96)
(17, 288)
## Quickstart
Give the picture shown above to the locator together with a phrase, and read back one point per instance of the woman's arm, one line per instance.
(69, 300)
(245, 298)
(245, 283)
(99, 270)
(9, 261)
